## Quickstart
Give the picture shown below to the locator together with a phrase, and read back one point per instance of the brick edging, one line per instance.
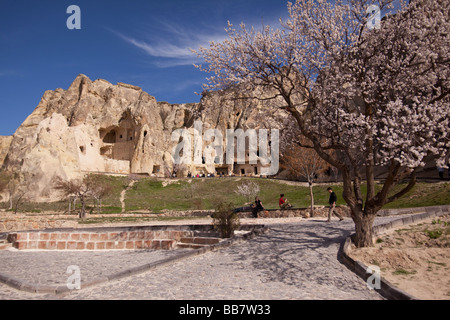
(387, 289)
(36, 288)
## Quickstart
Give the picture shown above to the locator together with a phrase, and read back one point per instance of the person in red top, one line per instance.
(283, 203)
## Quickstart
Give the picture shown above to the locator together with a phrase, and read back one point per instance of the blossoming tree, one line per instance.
(377, 96)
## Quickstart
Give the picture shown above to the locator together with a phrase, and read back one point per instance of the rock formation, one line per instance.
(95, 126)
(5, 143)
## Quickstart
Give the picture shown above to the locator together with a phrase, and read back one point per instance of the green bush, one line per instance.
(225, 219)
(434, 234)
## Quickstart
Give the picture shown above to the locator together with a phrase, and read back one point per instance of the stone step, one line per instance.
(206, 234)
(4, 246)
(156, 244)
(199, 240)
(191, 246)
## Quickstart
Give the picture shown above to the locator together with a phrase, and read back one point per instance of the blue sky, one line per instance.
(141, 42)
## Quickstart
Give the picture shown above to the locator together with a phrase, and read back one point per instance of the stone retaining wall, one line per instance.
(297, 212)
(391, 212)
(23, 222)
(430, 212)
(84, 240)
(117, 238)
(319, 211)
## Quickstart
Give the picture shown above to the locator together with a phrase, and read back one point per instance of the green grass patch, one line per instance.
(117, 184)
(204, 194)
(442, 264)
(403, 272)
(423, 194)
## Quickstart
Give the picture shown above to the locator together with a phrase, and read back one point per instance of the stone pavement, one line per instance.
(297, 259)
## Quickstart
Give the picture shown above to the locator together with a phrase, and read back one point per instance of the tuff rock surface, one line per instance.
(95, 126)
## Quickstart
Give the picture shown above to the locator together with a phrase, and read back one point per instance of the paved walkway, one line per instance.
(297, 259)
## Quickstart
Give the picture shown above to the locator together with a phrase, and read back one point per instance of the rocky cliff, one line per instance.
(5, 143)
(95, 126)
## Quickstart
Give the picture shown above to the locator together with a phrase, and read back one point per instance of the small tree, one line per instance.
(18, 199)
(99, 190)
(4, 180)
(225, 219)
(10, 182)
(190, 189)
(74, 188)
(248, 189)
(304, 162)
(83, 189)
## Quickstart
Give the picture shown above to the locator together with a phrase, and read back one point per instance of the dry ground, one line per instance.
(415, 258)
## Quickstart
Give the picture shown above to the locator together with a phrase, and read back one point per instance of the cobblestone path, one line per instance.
(296, 260)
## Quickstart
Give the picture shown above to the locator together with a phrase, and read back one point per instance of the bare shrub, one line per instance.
(225, 219)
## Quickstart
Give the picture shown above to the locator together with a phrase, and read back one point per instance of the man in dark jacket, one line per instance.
(332, 201)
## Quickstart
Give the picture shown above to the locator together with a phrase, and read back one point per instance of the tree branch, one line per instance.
(405, 190)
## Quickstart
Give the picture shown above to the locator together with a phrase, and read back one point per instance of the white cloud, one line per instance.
(173, 46)
(164, 50)
(170, 43)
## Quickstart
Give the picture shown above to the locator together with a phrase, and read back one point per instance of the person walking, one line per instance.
(448, 167)
(441, 173)
(332, 201)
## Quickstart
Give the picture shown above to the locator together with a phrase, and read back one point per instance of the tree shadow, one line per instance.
(293, 254)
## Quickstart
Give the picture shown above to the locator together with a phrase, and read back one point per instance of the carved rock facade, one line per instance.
(98, 127)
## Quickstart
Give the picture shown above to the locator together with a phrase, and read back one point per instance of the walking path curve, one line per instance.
(296, 259)
(123, 194)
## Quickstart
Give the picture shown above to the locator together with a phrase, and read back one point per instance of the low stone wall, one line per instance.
(391, 212)
(97, 240)
(21, 222)
(297, 212)
(185, 213)
(17, 223)
(319, 211)
(120, 238)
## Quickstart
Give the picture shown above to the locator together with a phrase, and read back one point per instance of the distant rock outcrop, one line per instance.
(95, 126)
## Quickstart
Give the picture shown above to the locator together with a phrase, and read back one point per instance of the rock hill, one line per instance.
(95, 126)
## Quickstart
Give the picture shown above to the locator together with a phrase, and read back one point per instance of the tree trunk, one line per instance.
(311, 196)
(363, 229)
(17, 203)
(83, 208)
